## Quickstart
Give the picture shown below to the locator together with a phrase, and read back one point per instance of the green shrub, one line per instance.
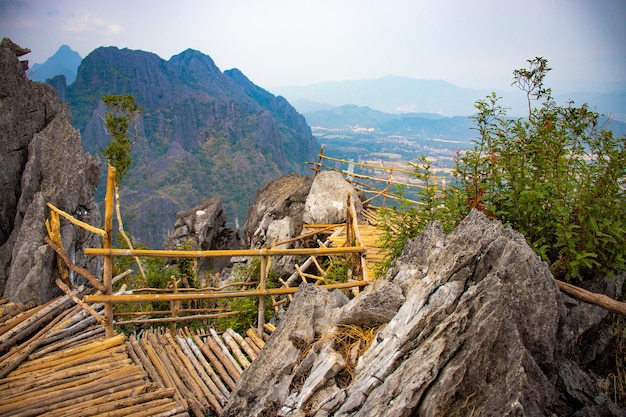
(558, 177)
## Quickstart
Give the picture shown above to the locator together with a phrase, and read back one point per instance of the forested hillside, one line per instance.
(203, 133)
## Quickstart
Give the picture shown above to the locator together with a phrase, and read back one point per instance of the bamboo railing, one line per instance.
(105, 287)
(384, 181)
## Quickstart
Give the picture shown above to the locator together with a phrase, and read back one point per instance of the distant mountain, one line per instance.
(394, 94)
(65, 62)
(350, 116)
(390, 94)
(204, 133)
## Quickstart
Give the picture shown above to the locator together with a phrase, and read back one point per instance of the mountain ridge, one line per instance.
(65, 61)
(203, 133)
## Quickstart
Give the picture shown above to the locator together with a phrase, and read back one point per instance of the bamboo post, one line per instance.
(107, 273)
(319, 162)
(174, 306)
(261, 310)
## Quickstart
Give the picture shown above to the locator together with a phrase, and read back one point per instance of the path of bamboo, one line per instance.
(56, 362)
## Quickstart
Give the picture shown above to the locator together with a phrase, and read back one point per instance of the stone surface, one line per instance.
(475, 327)
(203, 228)
(42, 161)
(326, 201)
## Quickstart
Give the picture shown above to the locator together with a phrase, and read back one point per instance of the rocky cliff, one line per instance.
(466, 324)
(204, 134)
(42, 161)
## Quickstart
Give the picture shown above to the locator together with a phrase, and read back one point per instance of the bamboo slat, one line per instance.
(221, 369)
(217, 381)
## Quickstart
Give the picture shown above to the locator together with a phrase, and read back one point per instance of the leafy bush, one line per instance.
(558, 177)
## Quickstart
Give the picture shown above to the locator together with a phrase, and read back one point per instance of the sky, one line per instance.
(277, 43)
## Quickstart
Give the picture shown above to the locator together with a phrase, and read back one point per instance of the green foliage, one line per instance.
(248, 306)
(401, 224)
(187, 270)
(121, 112)
(557, 177)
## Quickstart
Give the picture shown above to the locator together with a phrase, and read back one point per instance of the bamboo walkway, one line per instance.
(56, 362)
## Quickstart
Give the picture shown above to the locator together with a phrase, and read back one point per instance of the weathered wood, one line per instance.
(181, 369)
(255, 338)
(33, 322)
(207, 367)
(142, 357)
(79, 270)
(83, 336)
(143, 298)
(118, 400)
(221, 351)
(216, 362)
(199, 369)
(71, 354)
(242, 343)
(222, 253)
(151, 352)
(252, 345)
(600, 300)
(77, 222)
(193, 375)
(84, 306)
(236, 350)
(189, 397)
(107, 243)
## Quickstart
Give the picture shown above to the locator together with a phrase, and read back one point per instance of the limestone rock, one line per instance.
(203, 228)
(277, 211)
(475, 329)
(326, 202)
(43, 162)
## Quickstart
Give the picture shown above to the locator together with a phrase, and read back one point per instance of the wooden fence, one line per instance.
(105, 293)
(376, 186)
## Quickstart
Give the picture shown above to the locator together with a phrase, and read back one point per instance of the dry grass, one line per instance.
(352, 341)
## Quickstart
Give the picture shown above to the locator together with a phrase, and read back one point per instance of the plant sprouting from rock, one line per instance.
(121, 115)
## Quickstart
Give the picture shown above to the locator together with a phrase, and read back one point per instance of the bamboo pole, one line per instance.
(225, 253)
(261, 306)
(84, 306)
(143, 298)
(54, 233)
(199, 369)
(255, 338)
(224, 357)
(601, 300)
(151, 351)
(236, 350)
(78, 223)
(79, 270)
(219, 366)
(195, 349)
(242, 342)
(107, 273)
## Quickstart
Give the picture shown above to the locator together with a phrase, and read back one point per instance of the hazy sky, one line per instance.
(475, 43)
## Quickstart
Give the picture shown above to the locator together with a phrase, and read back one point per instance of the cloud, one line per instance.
(92, 25)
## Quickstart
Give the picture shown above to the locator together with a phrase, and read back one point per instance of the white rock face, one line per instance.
(326, 202)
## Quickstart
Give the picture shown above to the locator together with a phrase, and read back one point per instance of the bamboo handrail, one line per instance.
(223, 253)
(143, 298)
(77, 222)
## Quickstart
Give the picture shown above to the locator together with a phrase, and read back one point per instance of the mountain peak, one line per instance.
(65, 61)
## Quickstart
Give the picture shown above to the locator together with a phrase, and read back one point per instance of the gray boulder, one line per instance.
(277, 211)
(203, 228)
(43, 162)
(475, 329)
(326, 201)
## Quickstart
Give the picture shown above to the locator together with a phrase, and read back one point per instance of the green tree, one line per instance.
(122, 112)
(557, 176)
